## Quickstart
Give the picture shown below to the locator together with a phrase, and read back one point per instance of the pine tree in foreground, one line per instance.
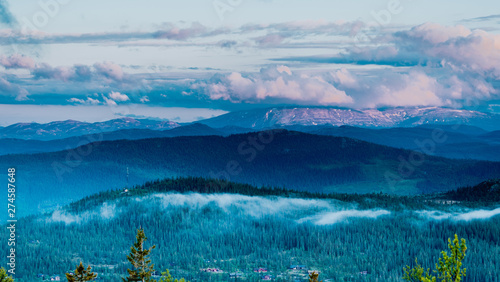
(449, 267)
(4, 277)
(81, 274)
(139, 258)
(313, 277)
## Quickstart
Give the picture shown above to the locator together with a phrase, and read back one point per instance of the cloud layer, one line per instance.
(310, 211)
(425, 65)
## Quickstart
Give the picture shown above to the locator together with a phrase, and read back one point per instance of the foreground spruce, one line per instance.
(81, 274)
(139, 258)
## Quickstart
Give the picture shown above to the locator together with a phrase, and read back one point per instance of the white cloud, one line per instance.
(17, 61)
(417, 89)
(118, 97)
(144, 99)
(467, 215)
(462, 48)
(319, 212)
(88, 101)
(109, 102)
(110, 70)
(275, 83)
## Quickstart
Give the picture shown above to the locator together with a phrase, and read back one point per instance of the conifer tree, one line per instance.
(449, 267)
(81, 274)
(313, 277)
(166, 277)
(139, 258)
(4, 277)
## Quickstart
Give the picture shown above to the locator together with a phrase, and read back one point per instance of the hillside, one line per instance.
(461, 142)
(485, 192)
(200, 224)
(31, 146)
(293, 160)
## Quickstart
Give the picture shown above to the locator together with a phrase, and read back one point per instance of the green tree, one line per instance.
(139, 258)
(449, 267)
(417, 273)
(4, 277)
(313, 277)
(166, 277)
(81, 274)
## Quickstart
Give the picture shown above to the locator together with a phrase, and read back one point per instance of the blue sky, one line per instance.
(90, 60)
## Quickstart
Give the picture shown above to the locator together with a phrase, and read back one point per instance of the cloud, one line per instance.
(319, 212)
(104, 212)
(227, 44)
(468, 215)
(344, 78)
(144, 99)
(483, 19)
(109, 70)
(415, 89)
(119, 97)
(10, 89)
(166, 31)
(278, 83)
(45, 71)
(106, 72)
(270, 40)
(6, 16)
(339, 216)
(457, 46)
(17, 61)
(308, 27)
(109, 102)
(454, 47)
(112, 99)
(173, 32)
(88, 101)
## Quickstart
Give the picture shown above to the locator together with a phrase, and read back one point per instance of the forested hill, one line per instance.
(288, 159)
(216, 186)
(485, 192)
(199, 224)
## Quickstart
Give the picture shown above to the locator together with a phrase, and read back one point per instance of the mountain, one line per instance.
(371, 118)
(461, 142)
(293, 160)
(195, 129)
(70, 128)
(456, 142)
(22, 146)
(493, 136)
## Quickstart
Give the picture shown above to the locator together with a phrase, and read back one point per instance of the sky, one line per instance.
(193, 59)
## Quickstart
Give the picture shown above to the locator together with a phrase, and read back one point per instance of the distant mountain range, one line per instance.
(294, 160)
(461, 141)
(372, 118)
(259, 119)
(70, 128)
(30, 146)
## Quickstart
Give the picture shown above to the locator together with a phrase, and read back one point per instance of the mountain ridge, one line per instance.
(371, 118)
(288, 159)
(70, 128)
